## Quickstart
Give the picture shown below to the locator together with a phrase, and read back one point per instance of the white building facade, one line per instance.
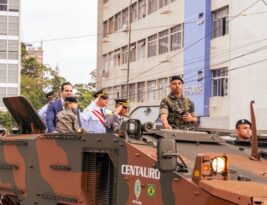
(217, 45)
(9, 49)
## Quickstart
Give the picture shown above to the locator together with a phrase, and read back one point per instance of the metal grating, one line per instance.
(99, 181)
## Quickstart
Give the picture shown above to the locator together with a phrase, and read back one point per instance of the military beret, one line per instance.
(122, 101)
(177, 77)
(102, 92)
(241, 122)
(50, 94)
(70, 99)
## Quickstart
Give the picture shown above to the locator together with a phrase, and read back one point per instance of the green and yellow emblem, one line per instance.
(151, 190)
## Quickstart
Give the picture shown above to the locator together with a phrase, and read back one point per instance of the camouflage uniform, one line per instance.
(67, 121)
(175, 108)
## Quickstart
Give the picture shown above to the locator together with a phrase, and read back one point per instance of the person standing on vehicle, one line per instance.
(243, 129)
(113, 123)
(57, 105)
(67, 119)
(176, 110)
(94, 116)
(50, 96)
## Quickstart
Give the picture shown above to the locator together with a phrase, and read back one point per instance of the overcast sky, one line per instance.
(57, 19)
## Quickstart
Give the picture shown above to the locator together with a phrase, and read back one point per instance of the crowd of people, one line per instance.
(62, 115)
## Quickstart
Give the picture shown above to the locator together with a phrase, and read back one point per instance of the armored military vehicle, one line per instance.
(145, 167)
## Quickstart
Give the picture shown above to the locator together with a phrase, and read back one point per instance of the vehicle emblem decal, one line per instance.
(151, 190)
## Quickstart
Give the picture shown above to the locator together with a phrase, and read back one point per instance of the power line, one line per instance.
(189, 62)
(193, 44)
(188, 81)
(133, 30)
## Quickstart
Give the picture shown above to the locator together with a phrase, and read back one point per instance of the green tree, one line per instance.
(84, 92)
(7, 121)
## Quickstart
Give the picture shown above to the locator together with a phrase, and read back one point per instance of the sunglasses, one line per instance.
(124, 107)
(104, 97)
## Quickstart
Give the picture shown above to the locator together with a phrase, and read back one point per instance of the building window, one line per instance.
(133, 52)
(116, 92)
(111, 25)
(12, 73)
(3, 25)
(220, 22)
(141, 92)
(163, 42)
(141, 49)
(152, 6)
(163, 3)
(152, 45)
(118, 22)
(176, 37)
(110, 60)
(220, 82)
(12, 91)
(163, 87)
(132, 92)
(124, 54)
(3, 73)
(13, 49)
(13, 5)
(134, 12)
(105, 25)
(124, 91)
(13, 25)
(141, 9)
(152, 88)
(3, 5)
(3, 49)
(125, 17)
(117, 57)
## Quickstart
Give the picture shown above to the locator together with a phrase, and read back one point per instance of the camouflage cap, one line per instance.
(241, 122)
(102, 92)
(123, 101)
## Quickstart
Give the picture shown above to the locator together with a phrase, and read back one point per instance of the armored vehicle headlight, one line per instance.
(132, 127)
(218, 164)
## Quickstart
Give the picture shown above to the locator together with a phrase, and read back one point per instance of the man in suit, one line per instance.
(56, 106)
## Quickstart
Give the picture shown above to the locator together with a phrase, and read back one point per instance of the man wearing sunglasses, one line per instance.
(94, 116)
(113, 123)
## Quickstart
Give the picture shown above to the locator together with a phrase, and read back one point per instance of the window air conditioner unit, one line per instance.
(103, 73)
(125, 28)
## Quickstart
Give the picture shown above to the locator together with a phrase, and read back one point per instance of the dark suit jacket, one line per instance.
(53, 108)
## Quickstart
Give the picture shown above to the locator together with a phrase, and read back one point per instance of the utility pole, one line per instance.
(129, 50)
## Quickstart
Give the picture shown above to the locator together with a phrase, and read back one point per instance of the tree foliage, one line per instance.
(7, 121)
(37, 79)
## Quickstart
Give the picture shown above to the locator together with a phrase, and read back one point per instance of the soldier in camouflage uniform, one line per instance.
(176, 110)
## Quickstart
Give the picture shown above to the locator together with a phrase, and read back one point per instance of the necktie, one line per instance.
(103, 113)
